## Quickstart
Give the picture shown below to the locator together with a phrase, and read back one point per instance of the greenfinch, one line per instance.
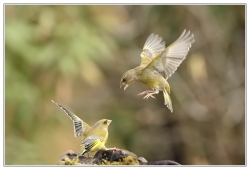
(94, 138)
(158, 64)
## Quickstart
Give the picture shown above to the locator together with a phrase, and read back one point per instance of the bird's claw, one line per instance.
(114, 148)
(145, 92)
(142, 93)
(149, 95)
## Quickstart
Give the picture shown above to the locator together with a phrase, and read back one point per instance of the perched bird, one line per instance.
(94, 138)
(158, 64)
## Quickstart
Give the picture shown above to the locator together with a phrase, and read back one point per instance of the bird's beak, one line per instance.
(121, 84)
(109, 121)
(125, 85)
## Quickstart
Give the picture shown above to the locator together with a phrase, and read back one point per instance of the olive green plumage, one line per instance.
(158, 64)
(94, 138)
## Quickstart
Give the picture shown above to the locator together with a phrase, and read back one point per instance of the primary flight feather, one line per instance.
(158, 64)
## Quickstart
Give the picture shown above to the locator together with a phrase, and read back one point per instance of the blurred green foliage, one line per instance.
(76, 56)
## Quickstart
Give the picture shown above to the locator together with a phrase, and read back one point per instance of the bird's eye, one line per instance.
(124, 80)
(105, 122)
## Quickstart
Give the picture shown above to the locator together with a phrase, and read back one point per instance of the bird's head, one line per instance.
(128, 78)
(102, 124)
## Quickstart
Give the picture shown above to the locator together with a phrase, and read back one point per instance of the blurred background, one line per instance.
(76, 55)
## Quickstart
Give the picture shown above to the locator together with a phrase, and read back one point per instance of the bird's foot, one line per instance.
(114, 148)
(149, 95)
(145, 92)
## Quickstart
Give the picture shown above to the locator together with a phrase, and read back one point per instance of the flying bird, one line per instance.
(158, 63)
(94, 138)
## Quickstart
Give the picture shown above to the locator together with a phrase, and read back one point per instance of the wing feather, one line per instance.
(153, 46)
(93, 141)
(169, 60)
(80, 127)
(91, 145)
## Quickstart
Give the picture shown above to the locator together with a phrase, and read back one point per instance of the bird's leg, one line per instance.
(146, 92)
(112, 149)
(156, 91)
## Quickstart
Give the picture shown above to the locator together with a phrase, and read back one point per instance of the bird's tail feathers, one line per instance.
(82, 151)
(167, 100)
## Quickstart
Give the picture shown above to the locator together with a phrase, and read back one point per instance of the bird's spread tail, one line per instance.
(167, 100)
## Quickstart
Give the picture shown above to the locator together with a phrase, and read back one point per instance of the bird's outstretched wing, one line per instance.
(169, 60)
(80, 127)
(153, 46)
